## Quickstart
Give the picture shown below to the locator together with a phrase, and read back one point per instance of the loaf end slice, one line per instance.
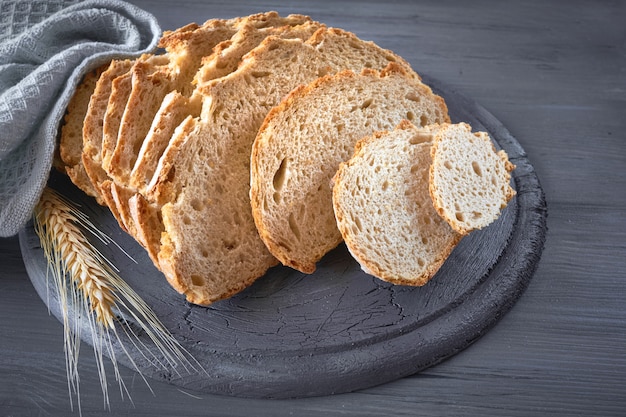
(469, 179)
(71, 141)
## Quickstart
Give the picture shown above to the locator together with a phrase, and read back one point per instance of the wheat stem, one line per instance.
(85, 279)
(72, 252)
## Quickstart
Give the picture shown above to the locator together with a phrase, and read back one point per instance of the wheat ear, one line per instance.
(85, 279)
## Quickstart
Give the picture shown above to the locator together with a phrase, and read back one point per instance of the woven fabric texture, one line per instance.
(45, 49)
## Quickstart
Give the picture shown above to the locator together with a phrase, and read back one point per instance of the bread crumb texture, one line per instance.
(470, 180)
(384, 211)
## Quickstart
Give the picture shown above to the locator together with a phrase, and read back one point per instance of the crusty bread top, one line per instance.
(469, 180)
(384, 211)
(303, 140)
(227, 55)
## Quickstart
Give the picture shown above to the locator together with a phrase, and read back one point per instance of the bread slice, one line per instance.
(148, 225)
(92, 134)
(339, 46)
(175, 108)
(138, 94)
(304, 139)
(177, 42)
(120, 92)
(384, 211)
(100, 126)
(92, 128)
(150, 84)
(71, 140)
(210, 248)
(469, 179)
(146, 214)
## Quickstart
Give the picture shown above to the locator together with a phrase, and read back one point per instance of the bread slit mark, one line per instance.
(280, 176)
(367, 103)
(413, 97)
(293, 226)
(420, 137)
(476, 168)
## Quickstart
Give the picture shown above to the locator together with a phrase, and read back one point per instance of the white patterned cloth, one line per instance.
(46, 46)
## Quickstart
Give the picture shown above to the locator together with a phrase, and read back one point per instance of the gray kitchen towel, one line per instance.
(45, 49)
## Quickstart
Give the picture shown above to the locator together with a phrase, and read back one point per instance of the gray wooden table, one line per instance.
(554, 73)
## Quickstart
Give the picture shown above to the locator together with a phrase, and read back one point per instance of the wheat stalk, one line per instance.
(85, 279)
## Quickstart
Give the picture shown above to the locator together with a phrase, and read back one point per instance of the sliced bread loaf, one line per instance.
(384, 211)
(469, 179)
(304, 139)
(210, 247)
(176, 107)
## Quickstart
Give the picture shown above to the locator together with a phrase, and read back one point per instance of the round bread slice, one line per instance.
(304, 139)
(469, 179)
(384, 211)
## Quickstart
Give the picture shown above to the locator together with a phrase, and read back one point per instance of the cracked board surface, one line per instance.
(338, 330)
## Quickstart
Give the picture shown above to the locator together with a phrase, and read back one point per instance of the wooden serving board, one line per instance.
(338, 330)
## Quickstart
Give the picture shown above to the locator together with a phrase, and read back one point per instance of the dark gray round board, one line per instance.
(339, 329)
